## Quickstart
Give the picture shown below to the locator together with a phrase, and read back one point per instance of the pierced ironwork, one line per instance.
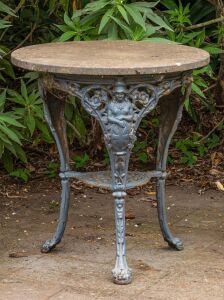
(119, 106)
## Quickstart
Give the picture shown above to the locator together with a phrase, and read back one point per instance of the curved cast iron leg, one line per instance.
(54, 115)
(172, 241)
(121, 273)
(119, 163)
(171, 112)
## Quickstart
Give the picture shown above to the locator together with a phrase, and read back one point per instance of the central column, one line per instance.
(119, 138)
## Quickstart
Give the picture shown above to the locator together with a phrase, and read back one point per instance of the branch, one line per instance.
(217, 20)
(18, 7)
(33, 28)
(213, 129)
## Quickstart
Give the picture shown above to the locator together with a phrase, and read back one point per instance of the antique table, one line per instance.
(118, 83)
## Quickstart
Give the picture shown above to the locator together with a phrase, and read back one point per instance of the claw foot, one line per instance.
(122, 276)
(48, 246)
(176, 244)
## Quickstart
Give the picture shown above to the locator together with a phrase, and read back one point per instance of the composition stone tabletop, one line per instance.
(118, 83)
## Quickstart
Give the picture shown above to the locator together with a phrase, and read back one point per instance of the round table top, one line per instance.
(110, 58)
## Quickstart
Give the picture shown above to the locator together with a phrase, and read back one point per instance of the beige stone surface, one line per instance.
(109, 58)
(80, 267)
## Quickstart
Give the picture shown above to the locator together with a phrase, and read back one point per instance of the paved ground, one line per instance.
(80, 268)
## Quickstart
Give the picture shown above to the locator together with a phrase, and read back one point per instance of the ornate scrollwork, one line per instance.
(120, 108)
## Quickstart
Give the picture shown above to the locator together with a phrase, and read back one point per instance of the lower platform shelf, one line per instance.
(103, 178)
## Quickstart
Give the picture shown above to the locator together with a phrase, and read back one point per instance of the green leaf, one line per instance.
(7, 161)
(21, 174)
(10, 134)
(151, 30)
(138, 34)
(45, 134)
(69, 111)
(213, 50)
(2, 100)
(31, 76)
(80, 126)
(113, 32)
(6, 9)
(68, 21)
(170, 4)
(9, 120)
(67, 36)
(159, 40)
(31, 124)
(3, 138)
(96, 5)
(18, 133)
(81, 160)
(63, 28)
(157, 20)
(187, 37)
(20, 153)
(7, 68)
(105, 19)
(16, 97)
(122, 25)
(123, 13)
(2, 148)
(11, 149)
(4, 24)
(145, 4)
(24, 90)
(197, 90)
(143, 157)
(136, 15)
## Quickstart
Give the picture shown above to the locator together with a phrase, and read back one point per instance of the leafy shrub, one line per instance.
(27, 22)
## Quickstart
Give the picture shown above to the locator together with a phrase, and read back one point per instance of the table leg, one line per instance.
(54, 115)
(171, 112)
(119, 165)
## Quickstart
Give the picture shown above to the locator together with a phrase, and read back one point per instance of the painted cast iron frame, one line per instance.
(119, 103)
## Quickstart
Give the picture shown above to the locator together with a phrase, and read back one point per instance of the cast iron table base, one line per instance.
(119, 106)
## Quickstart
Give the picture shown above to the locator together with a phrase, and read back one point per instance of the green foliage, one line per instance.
(52, 169)
(139, 151)
(194, 147)
(106, 19)
(27, 22)
(22, 174)
(4, 23)
(179, 17)
(53, 204)
(29, 108)
(75, 120)
(81, 161)
(75, 29)
(5, 66)
(106, 158)
(10, 136)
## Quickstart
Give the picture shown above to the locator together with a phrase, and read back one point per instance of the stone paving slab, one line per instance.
(80, 267)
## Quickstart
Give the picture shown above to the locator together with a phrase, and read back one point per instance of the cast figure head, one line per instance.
(119, 91)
